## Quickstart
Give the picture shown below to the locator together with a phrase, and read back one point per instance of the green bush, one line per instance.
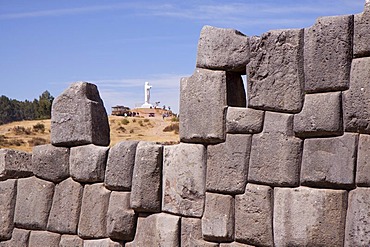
(125, 121)
(39, 127)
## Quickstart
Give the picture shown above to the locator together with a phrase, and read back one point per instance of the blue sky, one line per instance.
(118, 45)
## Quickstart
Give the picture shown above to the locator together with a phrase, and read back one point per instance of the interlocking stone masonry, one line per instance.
(191, 233)
(361, 46)
(8, 192)
(15, 164)
(363, 161)
(241, 120)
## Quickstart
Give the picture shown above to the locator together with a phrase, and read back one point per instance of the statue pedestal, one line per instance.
(147, 105)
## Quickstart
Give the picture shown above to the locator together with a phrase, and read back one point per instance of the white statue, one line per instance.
(147, 88)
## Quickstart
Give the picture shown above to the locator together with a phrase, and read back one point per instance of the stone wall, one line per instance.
(285, 165)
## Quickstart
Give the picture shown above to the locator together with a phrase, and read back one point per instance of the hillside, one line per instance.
(23, 135)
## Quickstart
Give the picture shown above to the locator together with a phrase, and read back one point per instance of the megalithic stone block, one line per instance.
(19, 238)
(8, 192)
(71, 241)
(361, 46)
(191, 233)
(106, 242)
(78, 117)
(235, 244)
(363, 161)
(51, 162)
(43, 238)
(241, 120)
(222, 49)
(15, 164)
(328, 54)
(275, 71)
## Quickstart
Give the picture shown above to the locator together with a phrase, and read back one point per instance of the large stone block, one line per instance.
(121, 219)
(321, 116)
(222, 49)
(328, 54)
(184, 170)
(218, 219)
(356, 110)
(361, 46)
(93, 221)
(65, 210)
(235, 244)
(71, 241)
(78, 117)
(203, 100)
(275, 71)
(227, 164)
(363, 161)
(276, 153)
(33, 203)
(43, 238)
(358, 218)
(244, 120)
(102, 243)
(120, 166)
(157, 230)
(87, 163)
(50, 162)
(147, 176)
(309, 217)
(254, 208)
(19, 239)
(8, 192)
(15, 164)
(191, 233)
(330, 162)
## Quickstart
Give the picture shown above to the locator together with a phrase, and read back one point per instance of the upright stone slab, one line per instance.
(328, 53)
(222, 49)
(330, 162)
(43, 238)
(147, 175)
(361, 46)
(19, 239)
(363, 161)
(102, 243)
(184, 169)
(356, 110)
(358, 218)
(202, 107)
(218, 219)
(275, 71)
(253, 215)
(321, 116)
(276, 153)
(244, 120)
(15, 164)
(78, 117)
(65, 210)
(71, 241)
(121, 219)
(33, 203)
(227, 164)
(8, 192)
(120, 166)
(309, 217)
(93, 216)
(191, 233)
(157, 230)
(51, 163)
(87, 163)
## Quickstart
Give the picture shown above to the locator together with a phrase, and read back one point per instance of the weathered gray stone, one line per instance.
(253, 215)
(191, 233)
(147, 176)
(120, 166)
(71, 241)
(121, 219)
(50, 162)
(15, 164)
(222, 49)
(87, 163)
(275, 71)
(276, 153)
(309, 217)
(43, 238)
(34, 198)
(184, 169)
(19, 239)
(66, 207)
(358, 218)
(330, 162)
(93, 221)
(321, 116)
(102, 243)
(363, 161)
(8, 192)
(361, 48)
(356, 110)
(328, 54)
(227, 164)
(218, 219)
(235, 244)
(78, 117)
(244, 120)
